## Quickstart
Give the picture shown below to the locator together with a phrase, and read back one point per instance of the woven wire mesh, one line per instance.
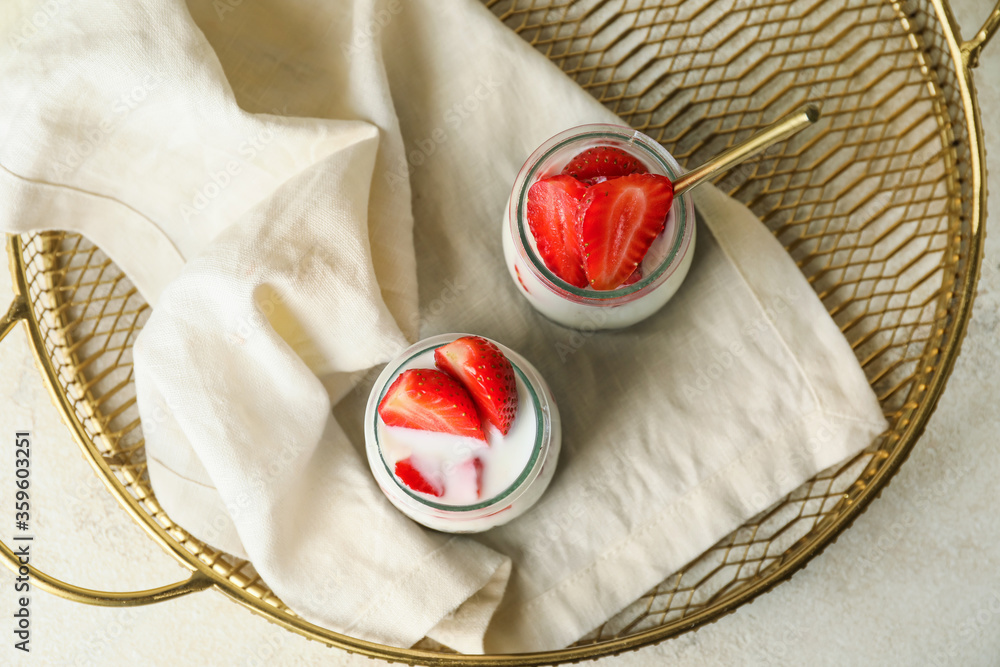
(873, 204)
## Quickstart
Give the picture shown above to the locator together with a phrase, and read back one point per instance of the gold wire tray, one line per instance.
(882, 206)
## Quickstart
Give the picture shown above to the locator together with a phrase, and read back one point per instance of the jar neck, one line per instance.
(549, 159)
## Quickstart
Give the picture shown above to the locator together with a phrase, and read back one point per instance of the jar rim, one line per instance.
(531, 466)
(681, 211)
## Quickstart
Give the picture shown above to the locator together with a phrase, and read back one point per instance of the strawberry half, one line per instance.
(602, 163)
(486, 374)
(410, 476)
(429, 400)
(619, 220)
(470, 475)
(552, 211)
(478, 465)
(634, 278)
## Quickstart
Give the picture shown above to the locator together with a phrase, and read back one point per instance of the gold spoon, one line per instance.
(778, 131)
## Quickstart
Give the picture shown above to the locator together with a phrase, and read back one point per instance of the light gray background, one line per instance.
(916, 581)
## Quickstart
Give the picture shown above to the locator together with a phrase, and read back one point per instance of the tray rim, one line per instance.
(205, 576)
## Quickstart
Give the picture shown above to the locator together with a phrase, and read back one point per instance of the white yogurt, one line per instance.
(516, 468)
(664, 267)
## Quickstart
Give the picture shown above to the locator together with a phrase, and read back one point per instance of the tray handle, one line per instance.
(18, 311)
(197, 581)
(973, 47)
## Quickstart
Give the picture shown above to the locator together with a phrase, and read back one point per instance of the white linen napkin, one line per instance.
(274, 176)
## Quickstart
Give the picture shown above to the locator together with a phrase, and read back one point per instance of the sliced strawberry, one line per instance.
(634, 278)
(486, 374)
(620, 218)
(469, 476)
(552, 210)
(520, 279)
(410, 476)
(478, 464)
(602, 163)
(429, 400)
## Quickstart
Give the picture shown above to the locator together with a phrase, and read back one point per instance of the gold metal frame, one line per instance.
(45, 311)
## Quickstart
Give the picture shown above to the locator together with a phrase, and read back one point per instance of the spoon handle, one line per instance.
(761, 141)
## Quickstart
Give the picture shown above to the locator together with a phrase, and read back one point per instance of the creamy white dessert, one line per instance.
(456, 483)
(664, 264)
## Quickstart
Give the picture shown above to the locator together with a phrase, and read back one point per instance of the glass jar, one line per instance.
(667, 261)
(540, 440)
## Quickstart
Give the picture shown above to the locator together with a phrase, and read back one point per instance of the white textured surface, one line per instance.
(915, 581)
